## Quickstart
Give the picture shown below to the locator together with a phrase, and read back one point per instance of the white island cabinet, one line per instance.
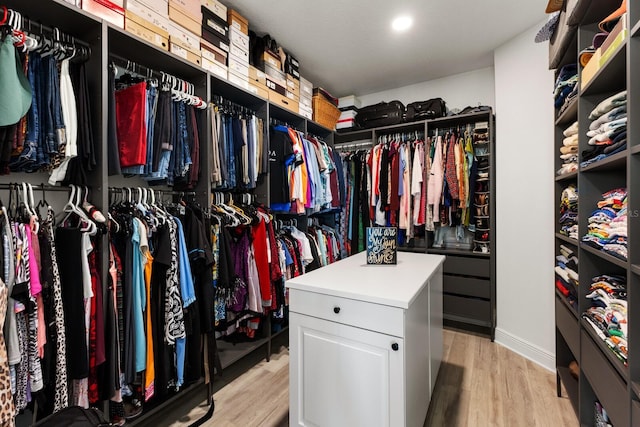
(365, 342)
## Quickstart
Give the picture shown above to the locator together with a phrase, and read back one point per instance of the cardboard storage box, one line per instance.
(134, 27)
(190, 8)
(213, 23)
(258, 89)
(239, 39)
(283, 101)
(181, 37)
(106, 10)
(293, 85)
(590, 69)
(238, 66)
(239, 53)
(305, 112)
(131, 16)
(213, 53)
(215, 68)
(292, 96)
(193, 57)
(275, 87)
(216, 7)
(257, 76)
(238, 80)
(161, 7)
(234, 19)
(150, 15)
(185, 21)
(272, 60)
(306, 88)
(275, 75)
(307, 102)
(216, 40)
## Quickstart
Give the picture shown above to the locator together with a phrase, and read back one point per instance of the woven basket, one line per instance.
(324, 112)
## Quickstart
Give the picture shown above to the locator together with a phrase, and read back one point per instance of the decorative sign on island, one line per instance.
(382, 245)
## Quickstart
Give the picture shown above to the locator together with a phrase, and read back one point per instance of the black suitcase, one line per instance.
(425, 110)
(382, 114)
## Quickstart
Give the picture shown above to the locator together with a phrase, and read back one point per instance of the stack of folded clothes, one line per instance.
(608, 312)
(569, 212)
(608, 129)
(569, 150)
(566, 88)
(608, 224)
(567, 276)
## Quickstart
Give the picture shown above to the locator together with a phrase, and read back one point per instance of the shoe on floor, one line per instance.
(132, 409)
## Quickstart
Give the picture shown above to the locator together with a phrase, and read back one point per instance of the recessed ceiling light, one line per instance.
(402, 23)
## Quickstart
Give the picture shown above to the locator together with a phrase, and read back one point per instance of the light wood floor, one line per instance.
(480, 384)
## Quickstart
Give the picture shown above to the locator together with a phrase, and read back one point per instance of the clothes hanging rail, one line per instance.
(17, 21)
(312, 135)
(351, 145)
(61, 45)
(132, 66)
(183, 89)
(275, 122)
(119, 190)
(401, 136)
(41, 187)
(228, 106)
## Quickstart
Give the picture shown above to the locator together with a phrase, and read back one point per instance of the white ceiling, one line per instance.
(348, 47)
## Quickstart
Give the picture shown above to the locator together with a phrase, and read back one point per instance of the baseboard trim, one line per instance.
(525, 349)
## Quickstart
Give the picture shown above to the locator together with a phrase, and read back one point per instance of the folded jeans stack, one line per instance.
(608, 129)
(569, 212)
(608, 224)
(567, 275)
(566, 88)
(608, 312)
(569, 150)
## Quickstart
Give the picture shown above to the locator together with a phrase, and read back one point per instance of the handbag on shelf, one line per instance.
(425, 110)
(381, 114)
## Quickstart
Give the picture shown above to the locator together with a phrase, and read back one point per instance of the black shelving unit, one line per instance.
(602, 375)
(110, 44)
(469, 277)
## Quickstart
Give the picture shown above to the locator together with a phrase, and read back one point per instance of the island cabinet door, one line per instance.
(342, 375)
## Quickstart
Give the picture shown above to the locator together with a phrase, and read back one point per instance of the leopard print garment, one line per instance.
(7, 409)
(61, 397)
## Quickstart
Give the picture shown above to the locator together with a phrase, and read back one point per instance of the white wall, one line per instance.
(524, 198)
(459, 91)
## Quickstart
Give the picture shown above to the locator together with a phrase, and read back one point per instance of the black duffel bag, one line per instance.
(425, 110)
(382, 114)
(74, 416)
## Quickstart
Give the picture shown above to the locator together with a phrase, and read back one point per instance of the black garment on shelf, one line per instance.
(85, 161)
(384, 176)
(113, 155)
(280, 152)
(69, 246)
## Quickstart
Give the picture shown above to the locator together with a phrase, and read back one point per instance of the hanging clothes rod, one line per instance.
(119, 190)
(40, 187)
(131, 66)
(349, 145)
(31, 26)
(276, 122)
(231, 106)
